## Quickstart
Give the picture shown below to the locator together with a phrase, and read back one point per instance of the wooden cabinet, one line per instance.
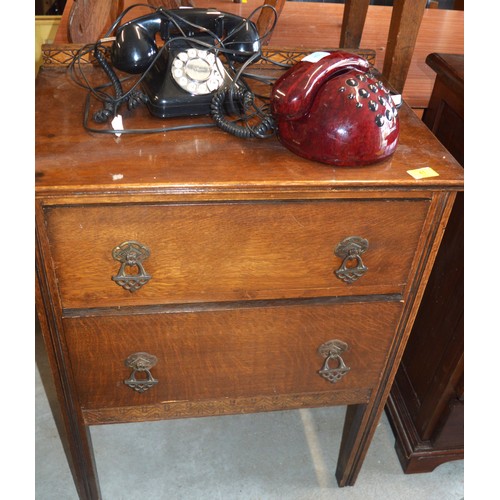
(426, 404)
(194, 273)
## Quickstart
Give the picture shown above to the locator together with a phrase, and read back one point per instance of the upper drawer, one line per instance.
(231, 251)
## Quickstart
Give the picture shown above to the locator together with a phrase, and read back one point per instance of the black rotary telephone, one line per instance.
(181, 77)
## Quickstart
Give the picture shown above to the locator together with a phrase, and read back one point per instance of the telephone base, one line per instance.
(174, 109)
(185, 79)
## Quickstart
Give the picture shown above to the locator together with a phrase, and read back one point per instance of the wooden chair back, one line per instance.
(405, 23)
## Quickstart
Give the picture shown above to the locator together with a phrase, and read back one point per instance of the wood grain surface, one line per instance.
(203, 158)
(232, 251)
(230, 353)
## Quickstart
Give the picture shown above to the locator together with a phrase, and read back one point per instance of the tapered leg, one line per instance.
(84, 469)
(74, 432)
(359, 426)
(351, 436)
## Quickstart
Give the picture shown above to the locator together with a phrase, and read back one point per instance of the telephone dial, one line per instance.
(329, 107)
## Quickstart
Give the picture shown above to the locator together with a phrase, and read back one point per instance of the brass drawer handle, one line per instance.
(141, 362)
(131, 254)
(331, 351)
(350, 251)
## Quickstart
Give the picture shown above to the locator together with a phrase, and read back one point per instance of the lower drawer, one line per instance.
(240, 352)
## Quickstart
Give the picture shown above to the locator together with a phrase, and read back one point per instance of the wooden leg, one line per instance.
(76, 440)
(74, 433)
(360, 423)
(84, 469)
(77, 444)
(349, 464)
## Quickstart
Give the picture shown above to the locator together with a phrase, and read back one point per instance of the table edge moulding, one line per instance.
(279, 214)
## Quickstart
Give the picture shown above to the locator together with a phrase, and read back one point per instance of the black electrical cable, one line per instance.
(176, 19)
(110, 105)
(266, 127)
(157, 130)
(238, 91)
(276, 63)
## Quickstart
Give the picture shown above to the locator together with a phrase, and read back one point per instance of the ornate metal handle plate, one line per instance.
(141, 362)
(331, 351)
(350, 251)
(131, 254)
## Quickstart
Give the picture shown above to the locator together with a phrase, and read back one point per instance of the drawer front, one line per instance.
(224, 252)
(255, 351)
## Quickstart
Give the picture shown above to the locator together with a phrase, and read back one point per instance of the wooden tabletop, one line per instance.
(69, 158)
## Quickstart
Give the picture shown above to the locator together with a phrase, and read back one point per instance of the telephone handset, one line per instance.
(181, 77)
(330, 108)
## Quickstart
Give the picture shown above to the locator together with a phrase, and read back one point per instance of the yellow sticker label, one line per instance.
(423, 173)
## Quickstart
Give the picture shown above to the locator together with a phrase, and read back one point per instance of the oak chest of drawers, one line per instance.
(194, 273)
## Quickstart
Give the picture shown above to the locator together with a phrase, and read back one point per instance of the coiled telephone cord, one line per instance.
(110, 105)
(266, 127)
